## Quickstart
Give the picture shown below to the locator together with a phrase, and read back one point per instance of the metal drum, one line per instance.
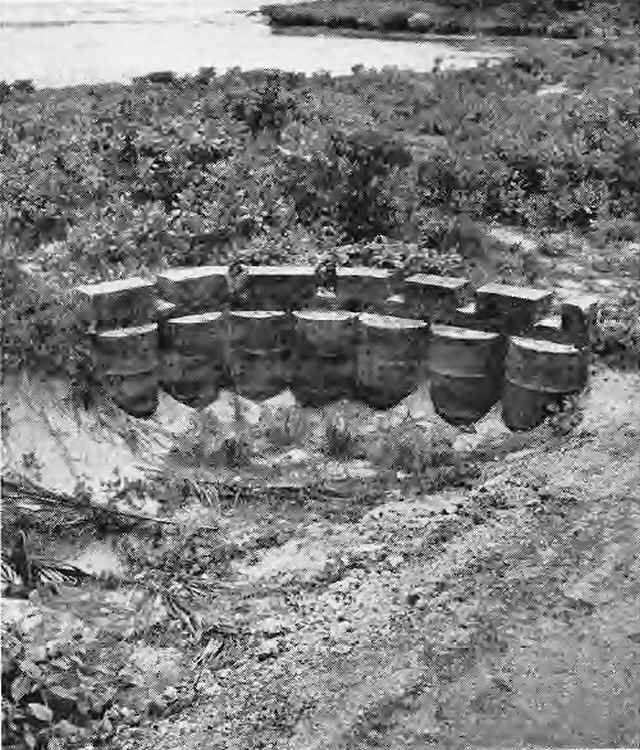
(323, 356)
(465, 368)
(126, 361)
(390, 358)
(539, 374)
(259, 352)
(194, 357)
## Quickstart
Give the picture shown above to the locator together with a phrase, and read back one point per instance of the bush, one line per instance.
(118, 180)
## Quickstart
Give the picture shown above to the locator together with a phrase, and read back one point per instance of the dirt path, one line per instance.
(494, 616)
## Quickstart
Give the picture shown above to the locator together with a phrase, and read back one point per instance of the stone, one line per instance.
(268, 649)
(273, 627)
(421, 22)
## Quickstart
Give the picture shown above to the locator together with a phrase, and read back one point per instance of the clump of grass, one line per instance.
(339, 439)
(413, 449)
(234, 451)
(285, 426)
(617, 332)
(424, 452)
(208, 443)
(565, 416)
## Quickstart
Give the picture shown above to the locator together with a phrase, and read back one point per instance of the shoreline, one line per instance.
(438, 18)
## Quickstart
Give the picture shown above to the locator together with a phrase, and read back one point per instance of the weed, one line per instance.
(284, 427)
(339, 440)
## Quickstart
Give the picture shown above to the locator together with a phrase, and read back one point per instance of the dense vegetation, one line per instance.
(563, 19)
(109, 180)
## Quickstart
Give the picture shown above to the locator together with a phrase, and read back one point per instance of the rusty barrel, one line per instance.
(390, 358)
(259, 352)
(538, 374)
(126, 362)
(465, 369)
(323, 356)
(194, 357)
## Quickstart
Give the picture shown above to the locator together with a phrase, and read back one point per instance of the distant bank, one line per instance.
(564, 19)
(67, 42)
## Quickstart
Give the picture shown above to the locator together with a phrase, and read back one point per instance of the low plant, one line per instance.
(616, 334)
(339, 440)
(54, 695)
(284, 427)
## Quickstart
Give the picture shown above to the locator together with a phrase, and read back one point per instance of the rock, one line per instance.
(421, 22)
(170, 694)
(339, 629)
(65, 728)
(268, 649)
(272, 627)
(342, 648)
(413, 597)
(157, 706)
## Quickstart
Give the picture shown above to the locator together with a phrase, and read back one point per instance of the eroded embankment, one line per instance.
(502, 613)
(505, 614)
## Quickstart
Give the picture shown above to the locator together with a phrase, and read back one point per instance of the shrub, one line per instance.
(339, 441)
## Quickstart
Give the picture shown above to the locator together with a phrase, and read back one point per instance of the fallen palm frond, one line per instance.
(30, 497)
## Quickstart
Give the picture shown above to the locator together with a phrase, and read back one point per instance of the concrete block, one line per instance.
(578, 315)
(116, 304)
(360, 288)
(550, 329)
(195, 290)
(275, 288)
(515, 309)
(436, 298)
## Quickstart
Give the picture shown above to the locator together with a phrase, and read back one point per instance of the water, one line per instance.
(57, 43)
